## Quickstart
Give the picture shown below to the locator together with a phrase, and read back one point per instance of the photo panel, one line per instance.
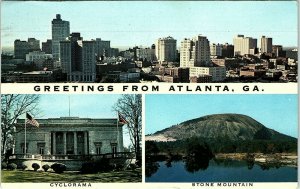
(221, 138)
(71, 138)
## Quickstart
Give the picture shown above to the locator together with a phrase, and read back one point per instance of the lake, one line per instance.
(219, 171)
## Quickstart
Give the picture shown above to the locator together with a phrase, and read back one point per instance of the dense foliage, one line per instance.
(58, 167)
(225, 145)
(35, 166)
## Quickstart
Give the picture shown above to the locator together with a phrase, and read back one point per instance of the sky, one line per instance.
(140, 23)
(278, 112)
(83, 106)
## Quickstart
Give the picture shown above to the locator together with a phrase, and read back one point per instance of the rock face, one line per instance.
(231, 126)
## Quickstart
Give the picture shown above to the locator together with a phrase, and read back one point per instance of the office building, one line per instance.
(60, 31)
(244, 45)
(165, 49)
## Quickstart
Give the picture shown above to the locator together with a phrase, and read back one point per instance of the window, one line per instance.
(114, 148)
(23, 148)
(98, 146)
(41, 148)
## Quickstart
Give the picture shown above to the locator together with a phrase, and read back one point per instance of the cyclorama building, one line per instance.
(69, 137)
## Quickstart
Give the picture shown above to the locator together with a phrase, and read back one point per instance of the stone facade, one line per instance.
(70, 136)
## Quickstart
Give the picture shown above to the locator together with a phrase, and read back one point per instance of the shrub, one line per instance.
(58, 167)
(46, 167)
(23, 167)
(11, 166)
(35, 166)
(3, 165)
(101, 165)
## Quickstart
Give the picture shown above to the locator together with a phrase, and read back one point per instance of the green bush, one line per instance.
(35, 166)
(101, 165)
(46, 167)
(3, 165)
(23, 167)
(58, 167)
(12, 166)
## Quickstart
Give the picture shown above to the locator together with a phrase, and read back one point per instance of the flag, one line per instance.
(31, 121)
(122, 119)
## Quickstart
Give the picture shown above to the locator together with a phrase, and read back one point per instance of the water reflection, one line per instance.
(218, 170)
(193, 164)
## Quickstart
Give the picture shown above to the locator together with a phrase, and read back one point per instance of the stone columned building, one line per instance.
(68, 137)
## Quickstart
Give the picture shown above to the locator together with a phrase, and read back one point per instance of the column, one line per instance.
(85, 143)
(65, 142)
(75, 142)
(53, 143)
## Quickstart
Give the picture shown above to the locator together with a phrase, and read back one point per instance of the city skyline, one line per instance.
(163, 19)
(278, 112)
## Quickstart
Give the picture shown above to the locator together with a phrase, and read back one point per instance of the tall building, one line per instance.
(78, 59)
(278, 51)
(266, 45)
(145, 53)
(244, 45)
(228, 50)
(21, 48)
(195, 52)
(165, 49)
(216, 49)
(47, 46)
(60, 31)
(102, 47)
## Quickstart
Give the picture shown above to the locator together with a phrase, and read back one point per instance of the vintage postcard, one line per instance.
(149, 94)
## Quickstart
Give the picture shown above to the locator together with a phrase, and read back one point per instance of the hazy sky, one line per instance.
(278, 112)
(142, 22)
(83, 106)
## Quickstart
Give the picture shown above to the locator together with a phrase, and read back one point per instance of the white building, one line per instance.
(216, 49)
(165, 49)
(266, 45)
(195, 52)
(60, 31)
(244, 45)
(37, 55)
(218, 73)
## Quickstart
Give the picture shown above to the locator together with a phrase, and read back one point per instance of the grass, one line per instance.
(38, 177)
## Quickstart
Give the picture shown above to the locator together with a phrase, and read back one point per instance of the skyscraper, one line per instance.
(216, 49)
(78, 59)
(60, 31)
(266, 45)
(165, 49)
(244, 45)
(195, 52)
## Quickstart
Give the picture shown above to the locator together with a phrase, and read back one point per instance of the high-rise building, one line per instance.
(60, 31)
(244, 45)
(165, 49)
(195, 52)
(21, 48)
(47, 46)
(216, 49)
(228, 50)
(278, 51)
(102, 47)
(266, 45)
(78, 59)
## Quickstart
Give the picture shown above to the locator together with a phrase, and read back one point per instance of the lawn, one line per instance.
(32, 176)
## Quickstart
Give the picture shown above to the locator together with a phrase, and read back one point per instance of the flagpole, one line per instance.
(118, 132)
(25, 136)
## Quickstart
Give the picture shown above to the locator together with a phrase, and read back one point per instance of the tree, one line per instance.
(12, 107)
(130, 106)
